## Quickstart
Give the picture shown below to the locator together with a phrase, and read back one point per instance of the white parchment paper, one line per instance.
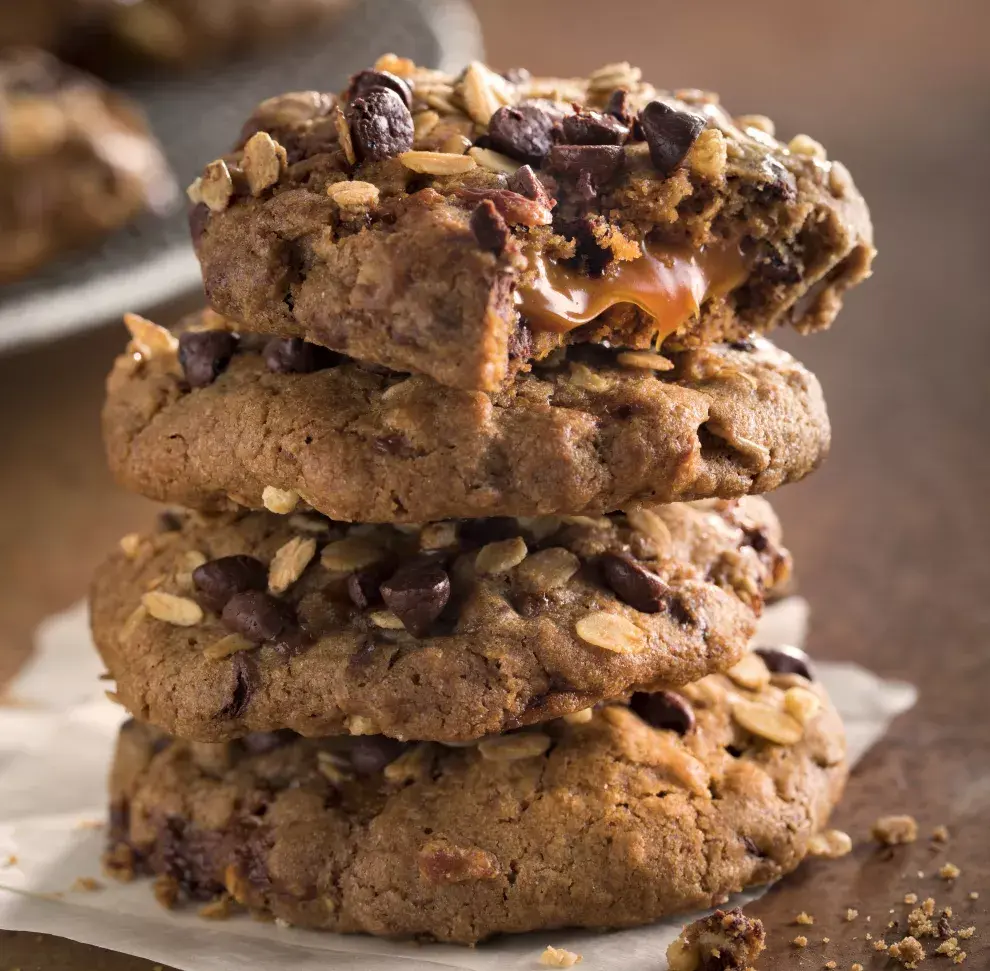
(56, 739)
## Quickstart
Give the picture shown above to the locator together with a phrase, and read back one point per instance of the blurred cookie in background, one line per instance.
(77, 161)
(45, 23)
(124, 36)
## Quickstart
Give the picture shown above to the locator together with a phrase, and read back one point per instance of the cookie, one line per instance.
(617, 818)
(216, 419)
(463, 227)
(187, 33)
(76, 162)
(214, 627)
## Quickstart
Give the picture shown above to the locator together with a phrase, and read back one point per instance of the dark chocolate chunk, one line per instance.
(757, 538)
(218, 580)
(366, 81)
(525, 182)
(205, 354)
(369, 754)
(258, 616)
(417, 594)
(600, 162)
(681, 613)
(664, 709)
(245, 676)
(363, 585)
(618, 106)
(293, 355)
(593, 128)
(785, 659)
(479, 532)
(669, 134)
(490, 229)
(523, 132)
(169, 521)
(381, 125)
(633, 584)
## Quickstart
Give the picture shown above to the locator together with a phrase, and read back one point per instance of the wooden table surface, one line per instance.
(891, 537)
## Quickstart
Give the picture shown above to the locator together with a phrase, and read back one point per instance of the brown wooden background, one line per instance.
(892, 537)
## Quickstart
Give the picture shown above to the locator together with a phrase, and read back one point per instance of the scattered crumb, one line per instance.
(830, 965)
(282, 922)
(949, 948)
(910, 898)
(895, 830)
(880, 945)
(12, 861)
(804, 918)
(967, 932)
(825, 940)
(940, 834)
(921, 874)
(974, 895)
(856, 967)
(908, 951)
(559, 957)
(851, 914)
(928, 906)
(949, 871)
(946, 911)
(90, 824)
(800, 941)
(166, 891)
(832, 844)
(86, 884)
(869, 937)
(219, 909)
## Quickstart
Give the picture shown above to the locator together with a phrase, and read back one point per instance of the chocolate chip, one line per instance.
(293, 355)
(680, 612)
(757, 538)
(417, 594)
(169, 522)
(480, 532)
(633, 584)
(365, 82)
(525, 182)
(746, 344)
(785, 659)
(205, 354)
(669, 134)
(369, 754)
(258, 616)
(245, 675)
(664, 709)
(523, 132)
(363, 585)
(381, 125)
(593, 128)
(600, 162)
(618, 106)
(218, 580)
(490, 229)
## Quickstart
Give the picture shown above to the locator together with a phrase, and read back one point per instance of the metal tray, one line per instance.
(196, 118)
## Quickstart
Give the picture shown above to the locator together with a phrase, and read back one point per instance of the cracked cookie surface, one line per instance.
(463, 227)
(617, 818)
(590, 432)
(77, 161)
(217, 626)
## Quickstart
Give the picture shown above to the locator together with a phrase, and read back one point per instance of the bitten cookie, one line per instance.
(461, 227)
(615, 818)
(76, 162)
(214, 627)
(208, 418)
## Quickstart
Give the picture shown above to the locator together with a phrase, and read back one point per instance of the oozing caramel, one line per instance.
(670, 283)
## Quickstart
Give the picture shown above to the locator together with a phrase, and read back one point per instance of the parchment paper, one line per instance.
(56, 737)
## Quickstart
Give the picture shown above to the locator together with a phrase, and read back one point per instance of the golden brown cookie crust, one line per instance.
(587, 435)
(417, 251)
(538, 619)
(606, 821)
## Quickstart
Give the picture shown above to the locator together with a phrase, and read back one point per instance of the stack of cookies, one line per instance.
(451, 635)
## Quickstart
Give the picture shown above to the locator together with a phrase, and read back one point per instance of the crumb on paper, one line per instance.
(940, 834)
(12, 861)
(282, 922)
(851, 914)
(910, 898)
(90, 824)
(856, 967)
(831, 844)
(831, 965)
(804, 918)
(974, 895)
(219, 909)
(800, 941)
(880, 945)
(86, 885)
(733, 938)
(966, 933)
(908, 951)
(826, 940)
(559, 957)
(166, 891)
(895, 830)
(949, 871)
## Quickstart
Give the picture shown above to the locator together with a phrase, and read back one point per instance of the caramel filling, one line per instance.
(670, 283)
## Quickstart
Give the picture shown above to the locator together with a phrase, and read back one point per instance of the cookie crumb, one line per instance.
(973, 894)
(733, 938)
(851, 914)
(880, 945)
(800, 941)
(856, 967)
(559, 957)
(166, 891)
(949, 871)
(804, 918)
(219, 909)
(949, 948)
(967, 932)
(826, 940)
(830, 965)
(86, 885)
(895, 830)
(910, 898)
(831, 844)
(940, 834)
(908, 951)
